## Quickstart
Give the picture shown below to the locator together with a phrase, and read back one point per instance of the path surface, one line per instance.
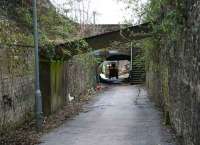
(122, 115)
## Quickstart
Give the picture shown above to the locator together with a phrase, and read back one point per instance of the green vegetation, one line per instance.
(168, 21)
(11, 33)
(167, 17)
(61, 52)
(55, 27)
(16, 24)
(56, 32)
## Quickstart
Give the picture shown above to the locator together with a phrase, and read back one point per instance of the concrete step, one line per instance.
(138, 72)
(137, 78)
(136, 83)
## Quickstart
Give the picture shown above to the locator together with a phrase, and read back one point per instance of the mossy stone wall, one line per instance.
(16, 85)
(174, 78)
(61, 78)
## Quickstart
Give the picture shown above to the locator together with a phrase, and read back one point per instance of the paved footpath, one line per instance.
(122, 115)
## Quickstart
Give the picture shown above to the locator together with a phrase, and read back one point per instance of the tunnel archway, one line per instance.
(114, 67)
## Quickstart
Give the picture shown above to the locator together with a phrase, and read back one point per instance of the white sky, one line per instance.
(109, 11)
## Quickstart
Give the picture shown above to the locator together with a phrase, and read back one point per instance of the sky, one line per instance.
(108, 11)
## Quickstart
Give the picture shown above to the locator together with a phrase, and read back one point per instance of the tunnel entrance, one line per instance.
(114, 71)
(114, 68)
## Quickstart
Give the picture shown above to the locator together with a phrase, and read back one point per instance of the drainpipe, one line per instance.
(38, 96)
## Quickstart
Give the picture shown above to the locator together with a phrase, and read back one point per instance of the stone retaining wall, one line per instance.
(173, 78)
(59, 79)
(16, 85)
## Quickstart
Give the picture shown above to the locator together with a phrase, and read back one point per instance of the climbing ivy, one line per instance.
(167, 17)
(53, 51)
(10, 33)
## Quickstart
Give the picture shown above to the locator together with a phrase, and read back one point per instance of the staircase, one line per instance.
(137, 75)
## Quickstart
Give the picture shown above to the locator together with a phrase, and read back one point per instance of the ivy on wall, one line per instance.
(63, 51)
(167, 17)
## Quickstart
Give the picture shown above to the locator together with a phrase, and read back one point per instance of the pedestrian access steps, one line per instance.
(137, 74)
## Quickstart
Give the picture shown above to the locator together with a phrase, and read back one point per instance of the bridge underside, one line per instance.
(121, 36)
(116, 38)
